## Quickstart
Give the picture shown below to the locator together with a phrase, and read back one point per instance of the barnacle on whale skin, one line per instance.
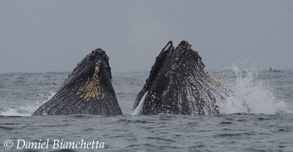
(92, 90)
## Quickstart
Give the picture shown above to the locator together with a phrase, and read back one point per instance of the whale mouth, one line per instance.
(156, 68)
(172, 69)
(160, 61)
(170, 57)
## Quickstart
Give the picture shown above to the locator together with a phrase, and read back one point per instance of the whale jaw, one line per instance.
(177, 84)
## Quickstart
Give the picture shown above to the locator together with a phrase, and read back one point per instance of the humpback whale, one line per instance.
(87, 90)
(178, 84)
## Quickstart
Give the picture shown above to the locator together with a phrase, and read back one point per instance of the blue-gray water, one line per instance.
(268, 127)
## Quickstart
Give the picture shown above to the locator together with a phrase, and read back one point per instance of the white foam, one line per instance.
(21, 111)
(138, 109)
(26, 110)
(250, 95)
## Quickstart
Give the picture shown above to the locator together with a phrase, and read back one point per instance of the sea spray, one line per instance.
(25, 110)
(250, 95)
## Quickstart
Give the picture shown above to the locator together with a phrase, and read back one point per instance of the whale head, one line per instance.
(177, 84)
(87, 90)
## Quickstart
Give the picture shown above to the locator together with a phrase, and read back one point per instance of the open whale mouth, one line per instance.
(169, 59)
(177, 84)
(160, 61)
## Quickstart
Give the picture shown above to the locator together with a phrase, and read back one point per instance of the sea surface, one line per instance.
(257, 117)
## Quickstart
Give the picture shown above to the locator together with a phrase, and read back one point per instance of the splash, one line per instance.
(21, 111)
(250, 95)
(25, 110)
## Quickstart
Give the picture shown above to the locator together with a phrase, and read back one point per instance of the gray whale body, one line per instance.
(177, 84)
(87, 90)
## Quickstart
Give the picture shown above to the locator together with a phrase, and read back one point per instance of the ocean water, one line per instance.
(256, 117)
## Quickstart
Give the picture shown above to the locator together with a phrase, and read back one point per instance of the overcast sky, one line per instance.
(46, 36)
